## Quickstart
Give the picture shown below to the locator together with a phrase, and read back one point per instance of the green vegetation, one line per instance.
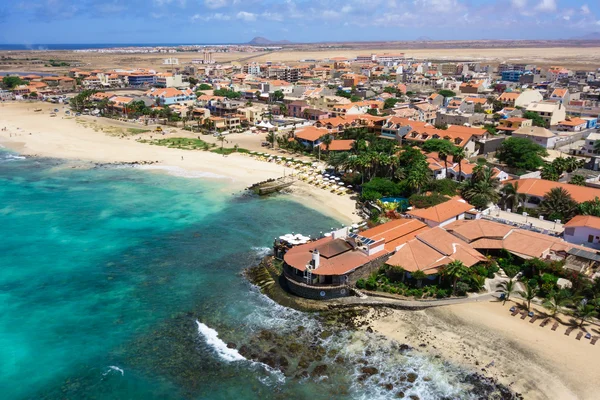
(204, 86)
(482, 188)
(227, 93)
(390, 103)
(278, 95)
(577, 180)
(10, 82)
(136, 131)
(536, 119)
(228, 150)
(522, 154)
(181, 143)
(558, 204)
(591, 207)
(447, 93)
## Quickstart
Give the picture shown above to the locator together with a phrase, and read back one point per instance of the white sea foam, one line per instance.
(211, 337)
(262, 251)
(112, 368)
(180, 172)
(11, 157)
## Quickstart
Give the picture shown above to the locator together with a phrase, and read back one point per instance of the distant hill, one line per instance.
(589, 36)
(423, 39)
(261, 41)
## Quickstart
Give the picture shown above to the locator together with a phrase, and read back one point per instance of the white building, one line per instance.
(538, 135)
(590, 144)
(552, 113)
(444, 213)
(171, 61)
(583, 230)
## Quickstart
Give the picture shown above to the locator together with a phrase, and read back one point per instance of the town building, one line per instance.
(535, 189)
(538, 135)
(444, 213)
(552, 113)
(583, 230)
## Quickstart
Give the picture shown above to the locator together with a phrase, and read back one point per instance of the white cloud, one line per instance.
(215, 3)
(519, 3)
(210, 17)
(246, 16)
(347, 9)
(272, 16)
(546, 6)
(585, 9)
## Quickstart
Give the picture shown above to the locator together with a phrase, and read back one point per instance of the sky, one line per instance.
(31, 22)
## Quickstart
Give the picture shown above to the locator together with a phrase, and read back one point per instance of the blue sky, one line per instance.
(237, 21)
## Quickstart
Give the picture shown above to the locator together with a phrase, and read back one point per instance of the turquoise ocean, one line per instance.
(119, 283)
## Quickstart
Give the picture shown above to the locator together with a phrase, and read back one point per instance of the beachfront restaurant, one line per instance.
(328, 267)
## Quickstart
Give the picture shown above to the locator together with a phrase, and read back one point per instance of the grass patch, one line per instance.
(228, 150)
(136, 131)
(181, 143)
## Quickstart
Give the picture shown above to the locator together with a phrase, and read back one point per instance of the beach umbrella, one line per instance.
(327, 175)
(328, 234)
(354, 226)
(341, 183)
(337, 178)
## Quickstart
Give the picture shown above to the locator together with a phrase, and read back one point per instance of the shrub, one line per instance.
(371, 284)
(462, 288)
(441, 293)
(361, 283)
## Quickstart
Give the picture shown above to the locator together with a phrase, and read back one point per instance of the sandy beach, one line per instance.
(86, 139)
(484, 337)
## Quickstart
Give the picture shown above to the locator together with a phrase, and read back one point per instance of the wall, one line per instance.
(580, 237)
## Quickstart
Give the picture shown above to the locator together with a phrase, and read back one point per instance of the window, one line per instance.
(590, 238)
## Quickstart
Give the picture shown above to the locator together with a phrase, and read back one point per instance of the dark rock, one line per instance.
(413, 397)
(405, 347)
(231, 345)
(319, 370)
(388, 386)
(411, 377)
(369, 370)
(303, 363)
(325, 334)
(369, 329)
(400, 395)
(422, 345)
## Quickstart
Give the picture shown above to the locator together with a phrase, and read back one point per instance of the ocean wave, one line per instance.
(112, 368)
(181, 172)
(262, 251)
(11, 157)
(211, 337)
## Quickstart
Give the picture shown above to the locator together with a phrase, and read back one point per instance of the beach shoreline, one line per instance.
(83, 140)
(484, 338)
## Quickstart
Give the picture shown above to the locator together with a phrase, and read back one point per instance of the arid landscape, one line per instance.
(568, 54)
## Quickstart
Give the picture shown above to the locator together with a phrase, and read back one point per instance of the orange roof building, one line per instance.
(536, 189)
(442, 214)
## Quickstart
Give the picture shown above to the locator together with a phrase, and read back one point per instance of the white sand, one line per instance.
(36, 133)
(534, 361)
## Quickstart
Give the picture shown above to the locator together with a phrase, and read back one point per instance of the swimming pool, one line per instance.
(402, 201)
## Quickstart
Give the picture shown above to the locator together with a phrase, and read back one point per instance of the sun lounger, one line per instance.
(555, 326)
(524, 315)
(595, 339)
(515, 312)
(532, 320)
(569, 330)
(545, 322)
(579, 335)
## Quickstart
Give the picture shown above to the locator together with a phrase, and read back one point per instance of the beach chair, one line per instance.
(515, 311)
(594, 339)
(545, 322)
(524, 315)
(532, 320)
(579, 335)
(555, 326)
(569, 330)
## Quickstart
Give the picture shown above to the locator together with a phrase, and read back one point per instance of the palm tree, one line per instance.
(550, 173)
(339, 159)
(577, 180)
(511, 195)
(481, 189)
(327, 141)
(583, 312)
(418, 176)
(508, 287)
(556, 300)
(443, 155)
(529, 293)
(455, 270)
(419, 276)
(558, 204)
(271, 138)
(573, 163)
(222, 139)
(458, 154)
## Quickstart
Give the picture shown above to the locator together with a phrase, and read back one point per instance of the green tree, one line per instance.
(529, 293)
(590, 207)
(482, 188)
(455, 270)
(10, 81)
(327, 141)
(440, 126)
(536, 119)
(578, 180)
(446, 93)
(511, 195)
(458, 155)
(521, 153)
(222, 139)
(204, 86)
(193, 81)
(390, 90)
(443, 154)
(584, 312)
(372, 111)
(389, 103)
(278, 95)
(418, 176)
(558, 204)
(550, 173)
(354, 98)
(556, 300)
(418, 275)
(438, 145)
(271, 138)
(507, 288)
